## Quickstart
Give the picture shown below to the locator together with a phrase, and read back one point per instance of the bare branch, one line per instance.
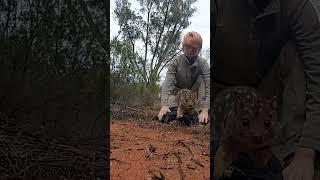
(93, 27)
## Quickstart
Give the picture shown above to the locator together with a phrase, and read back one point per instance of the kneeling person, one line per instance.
(187, 71)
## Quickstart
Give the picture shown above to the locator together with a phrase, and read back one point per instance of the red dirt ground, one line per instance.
(142, 149)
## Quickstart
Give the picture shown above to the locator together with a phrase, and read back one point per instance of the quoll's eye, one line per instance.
(267, 123)
(245, 122)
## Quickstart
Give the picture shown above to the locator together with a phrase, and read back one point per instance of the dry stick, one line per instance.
(187, 147)
(114, 159)
(192, 155)
(179, 166)
(197, 162)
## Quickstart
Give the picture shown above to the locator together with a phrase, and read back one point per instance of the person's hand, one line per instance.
(164, 110)
(203, 116)
(302, 165)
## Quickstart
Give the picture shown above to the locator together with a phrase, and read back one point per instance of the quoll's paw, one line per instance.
(174, 123)
(179, 116)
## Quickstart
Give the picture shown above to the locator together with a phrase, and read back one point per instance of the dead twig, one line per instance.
(197, 162)
(156, 175)
(187, 147)
(179, 165)
(114, 159)
(192, 155)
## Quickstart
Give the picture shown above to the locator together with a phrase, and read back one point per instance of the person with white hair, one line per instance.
(187, 71)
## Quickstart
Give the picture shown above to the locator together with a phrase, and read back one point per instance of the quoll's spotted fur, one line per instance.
(244, 122)
(262, 129)
(187, 101)
(232, 108)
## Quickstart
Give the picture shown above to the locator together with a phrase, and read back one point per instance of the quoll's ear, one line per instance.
(194, 93)
(274, 102)
(178, 95)
(237, 102)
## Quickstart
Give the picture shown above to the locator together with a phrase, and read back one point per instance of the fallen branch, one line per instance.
(192, 155)
(114, 159)
(179, 165)
(156, 175)
(197, 162)
(187, 147)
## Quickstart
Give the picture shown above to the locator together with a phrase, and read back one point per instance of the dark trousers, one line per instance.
(187, 119)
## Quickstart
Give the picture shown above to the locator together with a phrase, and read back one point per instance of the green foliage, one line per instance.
(147, 41)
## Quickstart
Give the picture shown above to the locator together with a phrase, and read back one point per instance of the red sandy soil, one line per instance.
(146, 149)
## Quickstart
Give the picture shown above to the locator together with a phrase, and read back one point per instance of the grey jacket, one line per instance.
(181, 74)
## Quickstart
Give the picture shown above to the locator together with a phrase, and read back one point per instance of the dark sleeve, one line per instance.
(302, 20)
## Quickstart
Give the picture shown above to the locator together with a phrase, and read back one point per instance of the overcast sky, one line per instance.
(200, 22)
